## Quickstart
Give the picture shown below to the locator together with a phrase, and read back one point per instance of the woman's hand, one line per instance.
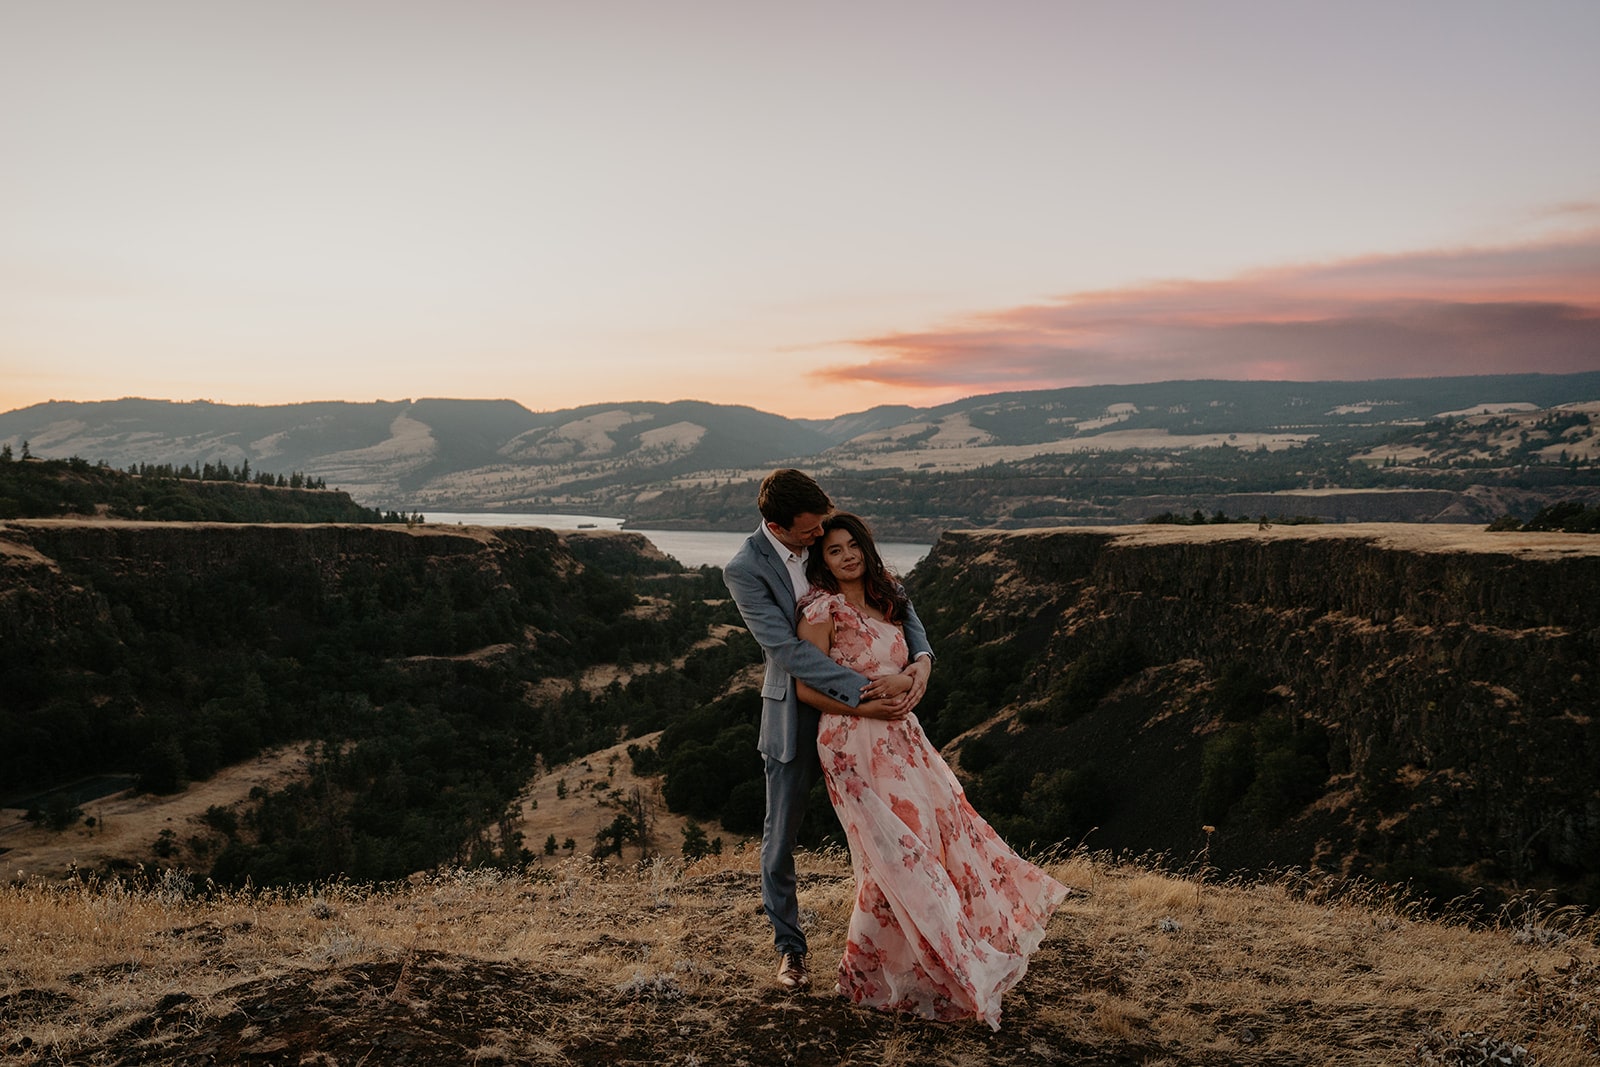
(888, 710)
(890, 685)
(907, 687)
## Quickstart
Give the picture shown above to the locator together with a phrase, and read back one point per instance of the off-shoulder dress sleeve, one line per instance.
(816, 607)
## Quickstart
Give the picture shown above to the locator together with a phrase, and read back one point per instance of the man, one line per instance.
(767, 578)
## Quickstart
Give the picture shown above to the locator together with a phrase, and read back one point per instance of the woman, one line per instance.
(946, 914)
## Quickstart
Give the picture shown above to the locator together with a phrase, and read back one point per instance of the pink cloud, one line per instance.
(1532, 307)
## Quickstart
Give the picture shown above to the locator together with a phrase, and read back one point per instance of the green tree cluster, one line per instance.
(1566, 516)
(1266, 769)
(55, 487)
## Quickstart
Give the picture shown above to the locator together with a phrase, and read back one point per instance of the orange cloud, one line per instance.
(1527, 308)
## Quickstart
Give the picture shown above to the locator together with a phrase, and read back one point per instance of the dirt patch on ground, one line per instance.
(432, 1008)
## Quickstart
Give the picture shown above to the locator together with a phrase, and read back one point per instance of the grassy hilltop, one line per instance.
(576, 962)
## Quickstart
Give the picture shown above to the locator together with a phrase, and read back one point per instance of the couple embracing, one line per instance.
(945, 913)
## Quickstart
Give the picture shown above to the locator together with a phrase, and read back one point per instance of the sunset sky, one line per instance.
(810, 208)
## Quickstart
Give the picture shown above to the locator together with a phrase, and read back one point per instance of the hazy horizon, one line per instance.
(805, 210)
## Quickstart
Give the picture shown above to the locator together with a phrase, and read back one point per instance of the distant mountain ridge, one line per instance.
(452, 454)
(412, 449)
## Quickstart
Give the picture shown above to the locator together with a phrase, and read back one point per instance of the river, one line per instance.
(692, 548)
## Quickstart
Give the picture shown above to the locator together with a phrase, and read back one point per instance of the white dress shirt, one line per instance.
(796, 564)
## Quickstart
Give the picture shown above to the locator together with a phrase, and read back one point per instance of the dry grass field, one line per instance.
(574, 962)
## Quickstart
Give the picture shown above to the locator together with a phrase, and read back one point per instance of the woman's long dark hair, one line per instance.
(883, 592)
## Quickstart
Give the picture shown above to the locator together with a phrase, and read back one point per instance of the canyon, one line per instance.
(1402, 702)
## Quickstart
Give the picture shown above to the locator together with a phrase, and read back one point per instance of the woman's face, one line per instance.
(842, 555)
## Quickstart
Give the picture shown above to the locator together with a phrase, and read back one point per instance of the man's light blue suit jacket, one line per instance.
(759, 582)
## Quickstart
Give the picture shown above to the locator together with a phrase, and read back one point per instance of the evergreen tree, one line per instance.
(695, 843)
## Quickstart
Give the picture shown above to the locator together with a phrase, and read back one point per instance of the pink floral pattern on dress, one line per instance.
(946, 914)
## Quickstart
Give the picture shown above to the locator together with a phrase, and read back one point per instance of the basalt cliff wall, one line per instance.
(40, 555)
(1403, 701)
(48, 567)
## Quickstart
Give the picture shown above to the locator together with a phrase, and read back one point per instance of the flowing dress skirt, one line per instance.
(946, 914)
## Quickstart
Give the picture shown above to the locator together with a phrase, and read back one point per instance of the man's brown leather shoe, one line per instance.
(792, 972)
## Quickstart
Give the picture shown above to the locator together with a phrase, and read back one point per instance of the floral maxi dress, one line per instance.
(946, 914)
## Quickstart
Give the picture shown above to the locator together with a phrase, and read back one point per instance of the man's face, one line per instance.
(803, 534)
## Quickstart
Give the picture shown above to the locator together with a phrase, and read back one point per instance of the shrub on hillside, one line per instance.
(1267, 769)
(1087, 681)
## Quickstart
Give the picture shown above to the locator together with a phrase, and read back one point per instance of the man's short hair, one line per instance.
(787, 494)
